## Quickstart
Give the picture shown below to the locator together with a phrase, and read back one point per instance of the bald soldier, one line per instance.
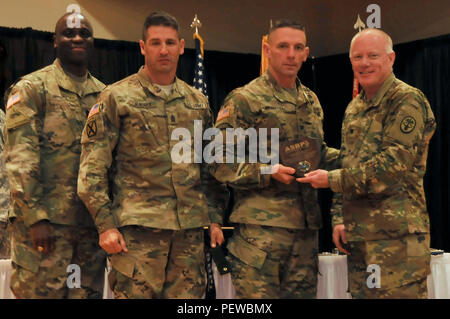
(273, 250)
(51, 228)
(385, 136)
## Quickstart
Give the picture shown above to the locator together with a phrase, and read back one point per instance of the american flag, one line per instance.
(200, 84)
(199, 75)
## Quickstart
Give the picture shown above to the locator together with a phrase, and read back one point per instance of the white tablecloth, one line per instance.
(5, 273)
(331, 284)
(439, 280)
(332, 280)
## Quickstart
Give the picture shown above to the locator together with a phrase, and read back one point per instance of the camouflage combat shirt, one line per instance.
(384, 153)
(127, 173)
(4, 184)
(44, 119)
(259, 199)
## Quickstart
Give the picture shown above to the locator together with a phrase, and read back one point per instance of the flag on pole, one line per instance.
(199, 74)
(264, 59)
(358, 25)
(200, 84)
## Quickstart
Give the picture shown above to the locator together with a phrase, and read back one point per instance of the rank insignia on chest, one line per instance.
(91, 128)
(408, 124)
(94, 110)
(13, 100)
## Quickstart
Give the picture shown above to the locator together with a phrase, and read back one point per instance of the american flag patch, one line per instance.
(224, 113)
(94, 110)
(13, 100)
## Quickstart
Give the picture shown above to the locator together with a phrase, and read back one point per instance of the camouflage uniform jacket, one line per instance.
(4, 184)
(383, 153)
(262, 103)
(127, 173)
(44, 120)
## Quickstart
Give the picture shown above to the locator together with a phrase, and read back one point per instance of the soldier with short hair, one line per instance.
(51, 228)
(380, 212)
(273, 252)
(150, 208)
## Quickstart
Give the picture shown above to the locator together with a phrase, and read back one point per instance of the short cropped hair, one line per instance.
(158, 18)
(283, 23)
(387, 38)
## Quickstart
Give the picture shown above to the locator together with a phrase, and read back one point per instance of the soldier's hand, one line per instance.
(317, 179)
(283, 174)
(339, 237)
(112, 241)
(43, 237)
(216, 234)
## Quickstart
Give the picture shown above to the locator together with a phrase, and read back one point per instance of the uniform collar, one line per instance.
(66, 82)
(145, 81)
(376, 100)
(281, 94)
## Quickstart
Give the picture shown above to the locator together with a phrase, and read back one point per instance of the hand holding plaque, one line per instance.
(302, 154)
(302, 168)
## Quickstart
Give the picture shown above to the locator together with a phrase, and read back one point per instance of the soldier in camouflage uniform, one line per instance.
(150, 208)
(381, 210)
(4, 196)
(51, 228)
(274, 248)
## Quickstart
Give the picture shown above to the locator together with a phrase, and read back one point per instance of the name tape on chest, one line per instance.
(16, 98)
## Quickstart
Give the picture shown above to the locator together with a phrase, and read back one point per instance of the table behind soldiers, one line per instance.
(332, 280)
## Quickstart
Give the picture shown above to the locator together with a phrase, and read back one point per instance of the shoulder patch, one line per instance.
(91, 128)
(16, 98)
(224, 113)
(94, 110)
(408, 124)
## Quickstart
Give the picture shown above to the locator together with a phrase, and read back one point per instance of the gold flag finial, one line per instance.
(359, 24)
(196, 24)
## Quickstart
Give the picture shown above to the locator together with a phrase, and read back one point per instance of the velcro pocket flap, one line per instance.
(25, 257)
(248, 253)
(123, 264)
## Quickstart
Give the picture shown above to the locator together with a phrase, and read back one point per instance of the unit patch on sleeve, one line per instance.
(91, 128)
(408, 124)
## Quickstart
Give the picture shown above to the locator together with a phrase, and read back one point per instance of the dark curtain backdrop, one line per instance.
(423, 64)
